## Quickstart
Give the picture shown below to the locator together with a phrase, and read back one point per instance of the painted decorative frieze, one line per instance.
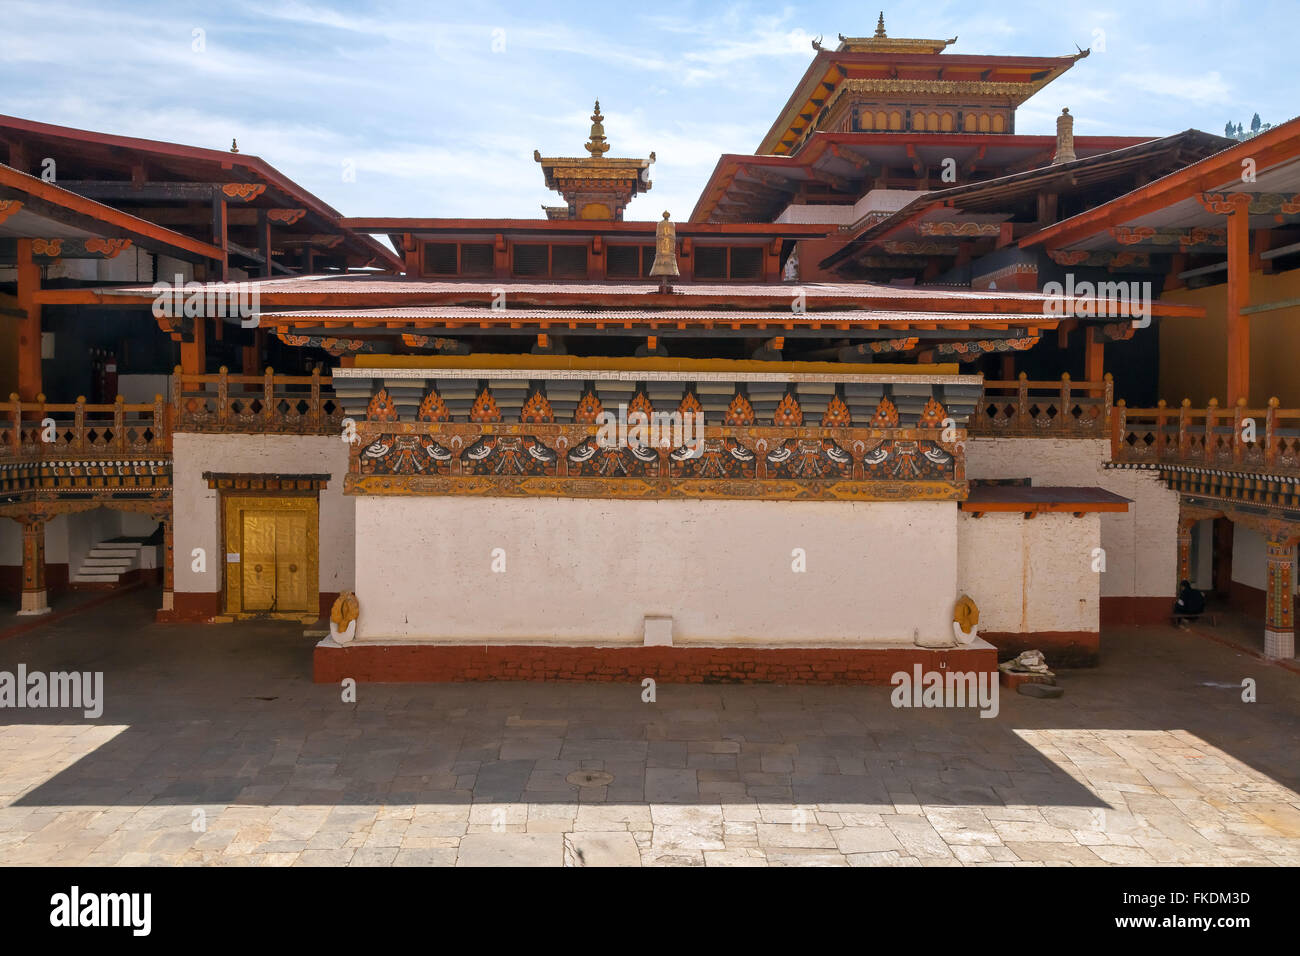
(501, 433)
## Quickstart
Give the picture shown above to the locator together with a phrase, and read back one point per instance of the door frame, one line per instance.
(233, 504)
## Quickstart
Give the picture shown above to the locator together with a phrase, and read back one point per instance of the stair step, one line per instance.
(107, 561)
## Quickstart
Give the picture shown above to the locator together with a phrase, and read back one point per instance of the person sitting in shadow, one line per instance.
(1190, 604)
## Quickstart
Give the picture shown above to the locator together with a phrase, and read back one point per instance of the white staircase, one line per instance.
(108, 561)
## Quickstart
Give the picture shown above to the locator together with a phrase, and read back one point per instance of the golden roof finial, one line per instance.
(880, 26)
(665, 264)
(234, 147)
(597, 145)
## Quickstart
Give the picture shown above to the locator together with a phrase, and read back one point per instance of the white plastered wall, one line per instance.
(1249, 557)
(197, 508)
(588, 571)
(1028, 575)
(1141, 544)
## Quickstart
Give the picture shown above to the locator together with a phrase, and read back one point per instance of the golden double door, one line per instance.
(271, 555)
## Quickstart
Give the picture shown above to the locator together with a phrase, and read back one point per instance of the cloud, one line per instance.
(1191, 87)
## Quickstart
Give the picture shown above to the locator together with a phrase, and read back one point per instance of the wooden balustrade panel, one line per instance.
(1213, 438)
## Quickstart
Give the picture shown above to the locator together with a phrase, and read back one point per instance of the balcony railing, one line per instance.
(42, 431)
(1061, 409)
(1255, 440)
(280, 404)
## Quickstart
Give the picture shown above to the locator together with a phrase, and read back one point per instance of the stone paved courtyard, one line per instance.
(215, 748)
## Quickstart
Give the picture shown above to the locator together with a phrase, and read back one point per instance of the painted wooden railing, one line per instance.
(280, 404)
(44, 431)
(1060, 409)
(1263, 440)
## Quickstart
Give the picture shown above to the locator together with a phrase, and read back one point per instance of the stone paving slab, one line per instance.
(215, 749)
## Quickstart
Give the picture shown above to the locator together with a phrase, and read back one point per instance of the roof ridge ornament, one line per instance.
(880, 27)
(665, 264)
(596, 145)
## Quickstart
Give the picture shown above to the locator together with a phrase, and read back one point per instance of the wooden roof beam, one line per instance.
(768, 179)
(231, 192)
(837, 182)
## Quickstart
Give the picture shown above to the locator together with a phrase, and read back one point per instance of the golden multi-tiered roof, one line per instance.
(884, 84)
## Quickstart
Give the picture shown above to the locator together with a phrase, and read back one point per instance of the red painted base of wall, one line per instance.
(1061, 648)
(190, 606)
(395, 663)
(1130, 611)
(195, 606)
(11, 578)
(1252, 602)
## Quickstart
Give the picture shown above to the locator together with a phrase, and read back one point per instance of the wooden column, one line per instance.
(169, 563)
(1185, 526)
(410, 255)
(219, 234)
(251, 355)
(194, 351)
(1094, 353)
(29, 328)
(264, 237)
(35, 600)
(1238, 350)
(1279, 626)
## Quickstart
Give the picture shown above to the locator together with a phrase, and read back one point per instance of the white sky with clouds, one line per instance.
(437, 123)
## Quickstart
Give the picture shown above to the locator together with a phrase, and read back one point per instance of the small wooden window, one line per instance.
(463, 258)
(739, 263)
(440, 258)
(628, 262)
(476, 259)
(746, 262)
(530, 261)
(710, 262)
(569, 262)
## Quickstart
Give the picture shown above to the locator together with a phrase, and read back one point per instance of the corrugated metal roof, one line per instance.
(421, 314)
(362, 285)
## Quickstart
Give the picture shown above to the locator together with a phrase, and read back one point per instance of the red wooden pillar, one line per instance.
(35, 600)
(1279, 626)
(264, 238)
(1185, 526)
(220, 234)
(169, 563)
(29, 328)
(194, 351)
(411, 255)
(1093, 356)
(1238, 349)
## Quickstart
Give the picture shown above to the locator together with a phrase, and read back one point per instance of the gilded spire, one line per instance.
(880, 26)
(597, 145)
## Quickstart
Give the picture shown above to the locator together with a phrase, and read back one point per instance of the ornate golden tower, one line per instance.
(594, 186)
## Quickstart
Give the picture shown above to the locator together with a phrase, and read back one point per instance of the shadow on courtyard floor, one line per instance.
(223, 715)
